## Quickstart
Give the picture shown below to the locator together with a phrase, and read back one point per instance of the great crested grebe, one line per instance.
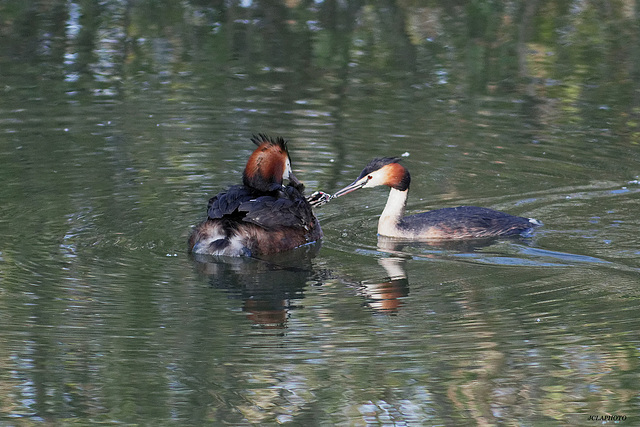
(262, 216)
(463, 222)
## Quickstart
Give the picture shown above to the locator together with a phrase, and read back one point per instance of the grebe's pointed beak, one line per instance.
(355, 185)
(293, 180)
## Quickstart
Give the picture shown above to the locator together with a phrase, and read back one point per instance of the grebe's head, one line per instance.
(269, 165)
(381, 171)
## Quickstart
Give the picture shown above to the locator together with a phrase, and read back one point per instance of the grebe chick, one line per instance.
(463, 222)
(261, 216)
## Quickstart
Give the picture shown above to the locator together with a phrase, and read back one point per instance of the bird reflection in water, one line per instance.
(269, 287)
(388, 297)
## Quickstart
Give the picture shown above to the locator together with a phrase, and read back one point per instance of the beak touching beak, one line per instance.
(355, 185)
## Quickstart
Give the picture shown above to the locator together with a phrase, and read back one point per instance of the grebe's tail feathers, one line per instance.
(210, 238)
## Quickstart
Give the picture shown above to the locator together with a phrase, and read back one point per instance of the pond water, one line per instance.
(119, 120)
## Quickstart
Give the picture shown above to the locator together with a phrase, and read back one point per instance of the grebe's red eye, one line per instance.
(369, 177)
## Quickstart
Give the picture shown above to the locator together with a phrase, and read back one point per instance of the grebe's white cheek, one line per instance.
(287, 170)
(375, 180)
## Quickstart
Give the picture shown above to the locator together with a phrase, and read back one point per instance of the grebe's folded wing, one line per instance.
(286, 208)
(228, 202)
(271, 212)
(470, 220)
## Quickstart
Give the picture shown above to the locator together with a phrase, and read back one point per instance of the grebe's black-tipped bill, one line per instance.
(355, 185)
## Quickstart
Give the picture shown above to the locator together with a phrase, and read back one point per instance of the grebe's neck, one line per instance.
(393, 213)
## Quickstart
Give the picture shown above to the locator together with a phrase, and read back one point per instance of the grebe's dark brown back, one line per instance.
(463, 222)
(262, 216)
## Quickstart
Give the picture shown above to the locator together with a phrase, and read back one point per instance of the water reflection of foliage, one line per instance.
(486, 36)
(576, 51)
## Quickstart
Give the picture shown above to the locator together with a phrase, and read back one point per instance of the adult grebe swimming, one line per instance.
(463, 222)
(262, 216)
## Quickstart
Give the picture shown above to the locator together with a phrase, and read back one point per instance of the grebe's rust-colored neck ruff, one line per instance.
(463, 222)
(269, 165)
(263, 215)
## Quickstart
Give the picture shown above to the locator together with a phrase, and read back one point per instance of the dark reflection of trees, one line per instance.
(489, 41)
(87, 39)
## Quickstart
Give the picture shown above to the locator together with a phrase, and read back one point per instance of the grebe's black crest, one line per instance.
(279, 141)
(378, 163)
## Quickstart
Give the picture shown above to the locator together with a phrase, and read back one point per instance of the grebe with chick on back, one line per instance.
(463, 222)
(262, 216)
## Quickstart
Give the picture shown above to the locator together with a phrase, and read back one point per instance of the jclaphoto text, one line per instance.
(607, 418)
